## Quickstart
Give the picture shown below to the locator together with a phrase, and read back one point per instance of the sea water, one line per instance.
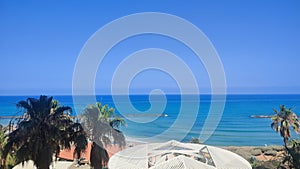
(236, 126)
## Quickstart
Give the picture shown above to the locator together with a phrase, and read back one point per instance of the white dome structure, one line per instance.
(176, 155)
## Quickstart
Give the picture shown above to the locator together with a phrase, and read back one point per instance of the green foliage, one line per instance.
(254, 162)
(2, 143)
(10, 160)
(294, 151)
(283, 120)
(55, 104)
(195, 140)
(44, 129)
(102, 126)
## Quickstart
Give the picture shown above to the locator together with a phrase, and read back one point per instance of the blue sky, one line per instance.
(257, 41)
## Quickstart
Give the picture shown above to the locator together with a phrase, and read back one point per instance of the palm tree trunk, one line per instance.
(96, 158)
(44, 158)
(99, 156)
(285, 140)
(44, 168)
(287, 149)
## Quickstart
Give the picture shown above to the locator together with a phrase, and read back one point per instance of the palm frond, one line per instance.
(117, 122)
(41, 136)
(60, 110)
(102, 125)
(23, 104)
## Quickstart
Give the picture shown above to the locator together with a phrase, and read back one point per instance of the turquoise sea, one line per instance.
(235, 128)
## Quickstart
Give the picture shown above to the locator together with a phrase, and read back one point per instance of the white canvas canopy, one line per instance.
(176, 155)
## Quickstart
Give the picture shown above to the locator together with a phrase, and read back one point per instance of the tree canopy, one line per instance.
(43, 130)
(102, 127)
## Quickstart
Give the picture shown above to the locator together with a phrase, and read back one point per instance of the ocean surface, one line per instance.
(236, 126)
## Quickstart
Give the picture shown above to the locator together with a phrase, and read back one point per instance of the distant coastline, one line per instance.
(260, 116)
(263, 116)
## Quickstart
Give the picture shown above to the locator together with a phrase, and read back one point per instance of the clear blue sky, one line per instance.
(257, 41)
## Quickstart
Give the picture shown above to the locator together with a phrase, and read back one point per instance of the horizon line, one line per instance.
(108, 94)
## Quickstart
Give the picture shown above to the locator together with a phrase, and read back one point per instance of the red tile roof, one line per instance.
(68, 154)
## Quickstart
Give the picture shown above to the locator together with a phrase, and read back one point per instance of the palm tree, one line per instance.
(102, 128)
(283, 120)
(43, 130)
